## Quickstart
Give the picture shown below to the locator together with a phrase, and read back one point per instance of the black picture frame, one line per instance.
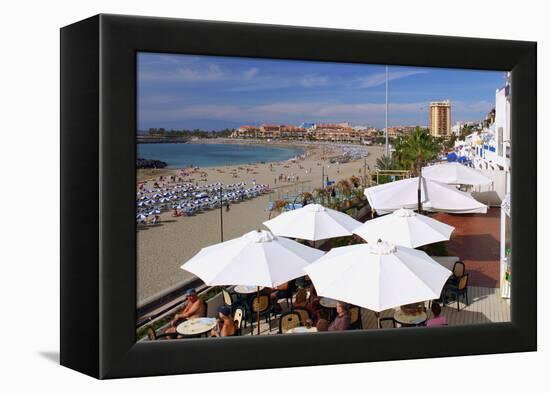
(98, 244)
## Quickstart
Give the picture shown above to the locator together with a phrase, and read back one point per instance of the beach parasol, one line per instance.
(377, 276)
(434, 196)
(258, 258)
(312, 222)
(405, 228)
(455, 173)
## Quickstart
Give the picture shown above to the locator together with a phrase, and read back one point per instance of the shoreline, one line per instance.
(331, 150)
(163, 248)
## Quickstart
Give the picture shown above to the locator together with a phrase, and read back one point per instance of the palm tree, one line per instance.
(307, 197)
(344, 187)
(321, 193)
(417, 149)
(385, 163)
(278, 206)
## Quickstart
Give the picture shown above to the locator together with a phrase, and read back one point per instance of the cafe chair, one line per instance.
(355, 317)
(263, 304)
(459, 269)
(229, 300)
(456, 291)
(386, 322)
(239, 319)
(153, 336)
(303, 312)
(288, 320)
(288, 293)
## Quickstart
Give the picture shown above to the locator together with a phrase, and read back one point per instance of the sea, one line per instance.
(180, 155)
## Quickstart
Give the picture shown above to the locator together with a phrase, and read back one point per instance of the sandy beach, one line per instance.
(163, 248)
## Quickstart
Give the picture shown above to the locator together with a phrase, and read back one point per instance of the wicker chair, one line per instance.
(303, 312)
(456, 291)
(355, 316)
(263, 304)
(288, 320)
(153, 336)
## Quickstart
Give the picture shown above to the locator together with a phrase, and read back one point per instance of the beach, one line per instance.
(163, 248)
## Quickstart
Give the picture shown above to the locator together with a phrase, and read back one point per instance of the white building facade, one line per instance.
(490, 151)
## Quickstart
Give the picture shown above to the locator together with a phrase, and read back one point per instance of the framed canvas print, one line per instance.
(240, 196)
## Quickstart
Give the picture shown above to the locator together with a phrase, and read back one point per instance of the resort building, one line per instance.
(328, 132)
(489, 151)
(440, 118)
(400, 130)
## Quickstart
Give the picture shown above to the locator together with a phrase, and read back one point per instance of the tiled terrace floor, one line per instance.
(476, 241)
(485, 307)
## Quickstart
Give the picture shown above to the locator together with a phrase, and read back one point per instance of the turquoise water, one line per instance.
(178, 155)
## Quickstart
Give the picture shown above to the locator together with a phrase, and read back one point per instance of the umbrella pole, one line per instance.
(377, 314)
(258, 314)
(419, 192)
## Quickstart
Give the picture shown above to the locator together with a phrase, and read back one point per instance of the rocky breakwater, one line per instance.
(143, 163)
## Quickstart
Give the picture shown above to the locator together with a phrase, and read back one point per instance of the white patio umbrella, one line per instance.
(312, 222)
(435, 196)
(377, 276)
(405, 228)
(455, 173)
(256, 259)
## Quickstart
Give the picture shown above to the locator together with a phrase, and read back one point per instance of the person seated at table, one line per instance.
(312, 306)
(301, 298)
(225, 326)
(343, 318)
(280, 292)
(194, 308)
(322, 325)
(437, 319)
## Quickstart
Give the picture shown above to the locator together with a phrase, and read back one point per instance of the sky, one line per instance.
(214, 92)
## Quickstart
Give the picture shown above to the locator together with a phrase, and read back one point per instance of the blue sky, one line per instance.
(211, 92)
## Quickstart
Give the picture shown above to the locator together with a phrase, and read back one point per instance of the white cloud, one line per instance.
(380, 78)
(209, 72)
(472, 107)
(313, 81)
(251, 73)
(282, 112)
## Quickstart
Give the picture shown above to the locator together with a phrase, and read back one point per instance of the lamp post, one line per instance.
(221, 213)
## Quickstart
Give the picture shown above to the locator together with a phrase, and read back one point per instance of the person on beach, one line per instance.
(438, 319)
(194, 308)
(225, 326)
(343, 318)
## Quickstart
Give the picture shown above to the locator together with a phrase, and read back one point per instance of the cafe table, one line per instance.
(327, 302)
(196, 326)
(409, 319)
(302, 329)
(246, 289)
